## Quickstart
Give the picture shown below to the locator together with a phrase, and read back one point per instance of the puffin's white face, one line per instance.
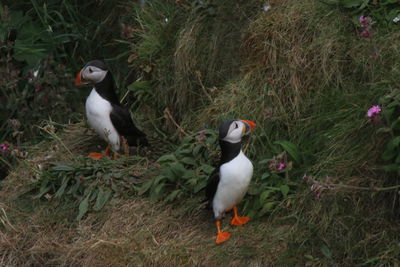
(237, 129)
(92, 74)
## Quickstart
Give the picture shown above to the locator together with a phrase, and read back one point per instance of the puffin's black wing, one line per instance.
(122, 121)
(212, 185)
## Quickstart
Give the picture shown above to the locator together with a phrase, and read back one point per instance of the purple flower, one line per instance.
(281, 166)
(373, 111)
(364, 20)
(3, 147)
(365, 33)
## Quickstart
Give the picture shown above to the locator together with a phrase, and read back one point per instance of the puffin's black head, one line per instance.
(232, 130)
(93, 72)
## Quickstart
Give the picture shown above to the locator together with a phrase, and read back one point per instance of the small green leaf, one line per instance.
(188, 161)
(145, 187)
(389, 154)
(207, 169)
(62, 188)
(264, 161)
(291, 149)
(167, 158)
(265, 175)
(83, 207)
(171, 197)
(284, 190)
(254, 190)
(364, 4)
(265, 195)
(187, 152)
(197, 150)
(102, 197)
(309, 257)
(326, 251)
(156, 193)
(199, 186)
(63, 167)
(177, 169)
(188, 174)
(266, 207)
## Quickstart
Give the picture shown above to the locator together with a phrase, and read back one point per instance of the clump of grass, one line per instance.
(188, 49)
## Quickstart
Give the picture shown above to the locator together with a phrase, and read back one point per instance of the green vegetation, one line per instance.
(325, 186)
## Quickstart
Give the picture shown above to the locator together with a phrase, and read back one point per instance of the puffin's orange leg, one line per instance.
(108, 150)
(221, 236)
(96, 155)
(236, 220)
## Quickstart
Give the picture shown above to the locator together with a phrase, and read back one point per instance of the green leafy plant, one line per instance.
(185, 171)
(90, 183)
(271, 181)
(391, 111)
(384, 12)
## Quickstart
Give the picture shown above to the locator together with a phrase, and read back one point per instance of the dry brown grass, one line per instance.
(297, 48)
(134, 232)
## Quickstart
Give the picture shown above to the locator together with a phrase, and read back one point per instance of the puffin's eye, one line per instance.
(90, 70)
(236, 125)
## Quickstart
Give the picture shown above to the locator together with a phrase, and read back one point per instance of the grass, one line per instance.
(302, 73)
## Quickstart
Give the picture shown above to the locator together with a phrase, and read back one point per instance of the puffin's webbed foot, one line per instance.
(221, 236)
(97, 155)
(238, 221)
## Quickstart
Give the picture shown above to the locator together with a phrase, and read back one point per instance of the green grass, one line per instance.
(302, 73)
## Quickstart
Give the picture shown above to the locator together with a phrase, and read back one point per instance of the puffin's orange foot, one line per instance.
(96, 155)
(222, 237)
(238, 221)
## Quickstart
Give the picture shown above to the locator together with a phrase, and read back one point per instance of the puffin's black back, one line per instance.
(120, 116)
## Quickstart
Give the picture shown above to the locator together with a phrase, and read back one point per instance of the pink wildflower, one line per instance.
(365, 34)
(281, 166)
(3, 147)
(373, 111)
(364, 20)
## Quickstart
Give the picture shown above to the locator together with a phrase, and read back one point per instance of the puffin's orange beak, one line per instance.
(249, 125)
(78, 79)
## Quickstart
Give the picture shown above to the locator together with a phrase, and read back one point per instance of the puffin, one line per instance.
(105, 113)
(229, 182)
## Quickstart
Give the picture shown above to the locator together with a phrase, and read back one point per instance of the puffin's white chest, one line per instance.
(235, 177)
(98, 115)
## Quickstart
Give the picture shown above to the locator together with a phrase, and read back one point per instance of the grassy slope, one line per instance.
(302, 73)
(129, 231)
